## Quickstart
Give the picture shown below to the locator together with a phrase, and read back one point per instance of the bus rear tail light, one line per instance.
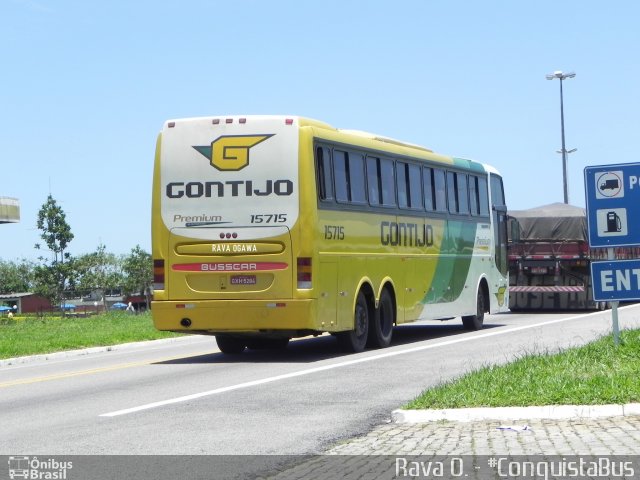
(304, 272)
(158, 274)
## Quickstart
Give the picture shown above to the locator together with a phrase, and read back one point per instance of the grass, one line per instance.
(596, 374)
(32, 335)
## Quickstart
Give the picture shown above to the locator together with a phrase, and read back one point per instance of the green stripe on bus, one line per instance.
(453, 266)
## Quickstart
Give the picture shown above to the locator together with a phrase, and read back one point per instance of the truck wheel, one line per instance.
(381, 327)
(474, 322)
(230, 345)
(355, 340)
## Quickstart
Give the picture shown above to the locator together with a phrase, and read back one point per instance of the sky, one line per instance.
(86, 87)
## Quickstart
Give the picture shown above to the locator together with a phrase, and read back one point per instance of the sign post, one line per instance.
(613, 213)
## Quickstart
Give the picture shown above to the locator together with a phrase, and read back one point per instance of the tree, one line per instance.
(53, 276)
(98, 272)
(138, 270)
(16, 277)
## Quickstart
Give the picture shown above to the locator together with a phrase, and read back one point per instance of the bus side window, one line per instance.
(381, 182)
(415, 187)
(402, 185)
(388, 182)
(341, 175)
(478, 195)
(474, 206)
(463, 193)
(483, 196)
(429, 191)
(457, 192)
(323, 164)
(373, 181)
(452, 192)
(440, 191)
(409, 186)
(497, 192)
(356, 178)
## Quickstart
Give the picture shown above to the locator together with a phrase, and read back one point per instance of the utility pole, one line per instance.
(562, 76)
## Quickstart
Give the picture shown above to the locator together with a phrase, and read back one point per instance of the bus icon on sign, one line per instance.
(18, 467)
(609, 185)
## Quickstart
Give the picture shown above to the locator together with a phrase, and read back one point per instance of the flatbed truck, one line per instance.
(550, 258)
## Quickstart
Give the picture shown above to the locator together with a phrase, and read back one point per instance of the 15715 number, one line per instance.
(333, 232)
(269, 218)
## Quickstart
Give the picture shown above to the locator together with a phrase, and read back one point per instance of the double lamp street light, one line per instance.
(562, 76)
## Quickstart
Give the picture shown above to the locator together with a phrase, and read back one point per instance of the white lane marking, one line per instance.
(68, 356)
(347, 363)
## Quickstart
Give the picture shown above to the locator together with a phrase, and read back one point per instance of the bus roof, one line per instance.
(380, 138)
(310, 122)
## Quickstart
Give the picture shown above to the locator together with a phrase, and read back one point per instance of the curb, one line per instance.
(87, 351)
(512, 413)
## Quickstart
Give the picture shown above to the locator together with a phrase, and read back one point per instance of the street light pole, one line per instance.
(562, 76)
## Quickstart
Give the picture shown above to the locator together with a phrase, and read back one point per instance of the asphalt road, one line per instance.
(186, 398)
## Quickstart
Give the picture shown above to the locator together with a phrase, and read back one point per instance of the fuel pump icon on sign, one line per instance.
(612, 222)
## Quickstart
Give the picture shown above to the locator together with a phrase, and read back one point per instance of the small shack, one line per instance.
(26, 302)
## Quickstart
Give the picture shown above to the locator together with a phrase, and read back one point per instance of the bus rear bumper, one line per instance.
(229, 316)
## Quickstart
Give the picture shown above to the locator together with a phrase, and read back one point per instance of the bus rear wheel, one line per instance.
(230, 345)
(356, 340)
(474, 322)
(381, 327)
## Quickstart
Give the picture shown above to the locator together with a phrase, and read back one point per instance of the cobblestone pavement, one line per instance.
(471, 449)
(580, 436)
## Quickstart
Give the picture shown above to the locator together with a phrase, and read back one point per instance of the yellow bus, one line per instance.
(266, 228)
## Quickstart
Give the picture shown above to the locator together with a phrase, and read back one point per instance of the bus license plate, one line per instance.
(243, 280)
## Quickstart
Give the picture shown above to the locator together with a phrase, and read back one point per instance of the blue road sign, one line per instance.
(613, 204)
(616, 280)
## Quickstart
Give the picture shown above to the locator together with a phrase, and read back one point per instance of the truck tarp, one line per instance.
(554, 222)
